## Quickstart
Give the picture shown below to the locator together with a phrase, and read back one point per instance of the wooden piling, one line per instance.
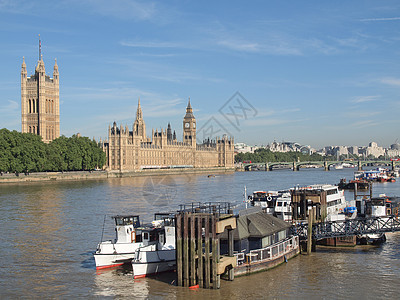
(200, 250)
(207, 278)
(309, 232)
(198, 247)
(178, 241)
(185, 250)
(193, 279)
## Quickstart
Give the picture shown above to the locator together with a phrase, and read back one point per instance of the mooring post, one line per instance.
(313, 240)
(309, 232)
(200, 250)
(185, 250)
(207, 252)
(192, 250)
(215, 257)
(178, 233)
(231, 273)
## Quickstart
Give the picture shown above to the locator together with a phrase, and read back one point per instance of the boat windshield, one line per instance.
(127, 220)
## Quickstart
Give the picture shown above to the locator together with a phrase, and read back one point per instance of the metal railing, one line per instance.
(268, 253)
(207, 207)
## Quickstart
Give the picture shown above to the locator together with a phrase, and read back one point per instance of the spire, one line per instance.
(189, 111)
(139, 111)
(23, 65)
(40, 49)
(55, 72)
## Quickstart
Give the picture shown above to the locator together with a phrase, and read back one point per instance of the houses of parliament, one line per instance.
(126, 150)
(133, 150)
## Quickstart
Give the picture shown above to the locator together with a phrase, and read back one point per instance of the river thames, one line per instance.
(49, 231)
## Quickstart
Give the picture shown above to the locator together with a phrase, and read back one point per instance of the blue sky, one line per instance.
(315, 72)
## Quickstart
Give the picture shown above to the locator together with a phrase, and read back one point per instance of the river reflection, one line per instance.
(50, 230)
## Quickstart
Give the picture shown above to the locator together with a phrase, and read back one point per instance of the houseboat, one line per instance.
(261, 241)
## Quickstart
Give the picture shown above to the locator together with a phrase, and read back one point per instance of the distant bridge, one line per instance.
(358, 226)
(296, 166)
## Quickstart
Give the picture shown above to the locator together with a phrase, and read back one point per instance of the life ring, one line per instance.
(133, 236)
(269, 198)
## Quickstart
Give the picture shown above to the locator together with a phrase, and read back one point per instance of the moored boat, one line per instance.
(159, 256)
(113, 253)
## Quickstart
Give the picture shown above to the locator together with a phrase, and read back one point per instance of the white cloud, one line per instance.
(150, 44)
(363, 99)
(363, 124)
(391, 81)
(11, 106)
(381, 19)
(123, 9)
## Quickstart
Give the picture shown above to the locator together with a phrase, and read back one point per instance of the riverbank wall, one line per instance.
(92, 175)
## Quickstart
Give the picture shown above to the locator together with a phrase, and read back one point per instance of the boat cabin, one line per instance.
(256, 229)
(125, 228)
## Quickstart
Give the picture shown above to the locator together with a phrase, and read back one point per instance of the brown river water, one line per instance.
(49, 231)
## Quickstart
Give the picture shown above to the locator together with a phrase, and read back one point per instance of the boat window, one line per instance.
(139, 238)
(331, 192)
(132, 220)
(145, 236)
(153, 236)
(279, 204)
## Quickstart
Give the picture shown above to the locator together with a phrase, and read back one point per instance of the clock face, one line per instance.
(187, 125)
(194, 125)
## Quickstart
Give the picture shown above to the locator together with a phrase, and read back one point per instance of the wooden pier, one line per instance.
(198, 259)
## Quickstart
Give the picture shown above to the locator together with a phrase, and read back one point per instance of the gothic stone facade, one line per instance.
(40, 102)
(133, 150)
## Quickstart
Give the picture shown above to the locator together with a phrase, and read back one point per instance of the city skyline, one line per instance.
(315, 73)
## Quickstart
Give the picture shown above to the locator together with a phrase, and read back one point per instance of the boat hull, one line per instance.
(153, 262)
(104, 261)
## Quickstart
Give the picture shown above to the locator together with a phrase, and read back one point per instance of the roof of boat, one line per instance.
(125, 216)
(257, 225)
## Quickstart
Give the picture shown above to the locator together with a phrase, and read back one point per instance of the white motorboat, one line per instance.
(130, 236)
(113, 253)
(283, 209)
(160, 256)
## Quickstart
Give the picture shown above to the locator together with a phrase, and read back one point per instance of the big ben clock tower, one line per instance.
(189, 126)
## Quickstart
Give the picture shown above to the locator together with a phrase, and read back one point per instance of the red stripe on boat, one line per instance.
(109, 266)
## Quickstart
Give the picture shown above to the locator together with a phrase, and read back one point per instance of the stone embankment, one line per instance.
(90, 175)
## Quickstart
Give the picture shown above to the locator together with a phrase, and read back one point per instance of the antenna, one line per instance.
(40, 49)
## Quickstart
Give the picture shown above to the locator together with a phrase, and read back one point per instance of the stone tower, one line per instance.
(40, 101)
(189, 126)
(139, 128)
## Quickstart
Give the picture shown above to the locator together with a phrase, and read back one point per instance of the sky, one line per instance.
(314, 72)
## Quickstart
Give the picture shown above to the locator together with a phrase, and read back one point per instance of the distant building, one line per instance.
(133, 150)
(290, 147)
(40, 101)
(394, 151)
(373, 150)
(243, 148)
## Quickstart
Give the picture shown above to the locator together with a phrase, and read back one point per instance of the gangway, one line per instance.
(357, 226)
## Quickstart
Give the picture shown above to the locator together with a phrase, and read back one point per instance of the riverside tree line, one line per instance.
(26, 152)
